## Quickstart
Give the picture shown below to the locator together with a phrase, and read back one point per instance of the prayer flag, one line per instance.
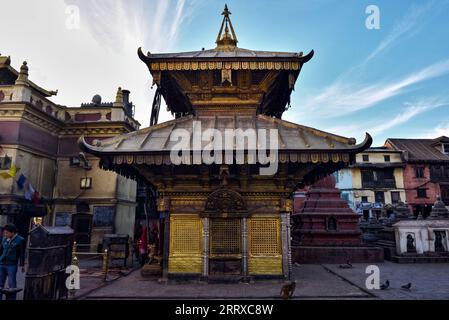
(21, 181)
(10, 174)
(29, 191)
(36, 198)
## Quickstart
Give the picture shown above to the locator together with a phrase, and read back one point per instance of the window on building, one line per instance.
(445, 194)
(395, 197)
(86, 183)
(446, 148)
(388, 174)
(387, 158)
(366, 215)
(435, 171)
(421, 193)
(367, 176)
(419, 172)
(5, 163)
(365, 158)
(364, 199)
(380, 196)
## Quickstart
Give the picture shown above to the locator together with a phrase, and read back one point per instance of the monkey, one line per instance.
(288, 290)
(152, 255)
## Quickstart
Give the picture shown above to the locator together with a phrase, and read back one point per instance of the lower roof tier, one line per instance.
(295, 143)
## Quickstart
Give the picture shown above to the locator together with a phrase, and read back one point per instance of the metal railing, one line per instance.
(105, 256)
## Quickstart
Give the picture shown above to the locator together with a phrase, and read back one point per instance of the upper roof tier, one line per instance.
(227, 77)
(234, 54)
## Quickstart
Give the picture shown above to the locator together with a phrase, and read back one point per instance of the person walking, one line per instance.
(12, 254)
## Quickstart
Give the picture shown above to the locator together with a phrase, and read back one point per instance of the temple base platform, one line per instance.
(336, 255)
(151, 270)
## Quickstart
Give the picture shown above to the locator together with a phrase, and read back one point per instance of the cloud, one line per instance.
(348, 93)
(409, 21)
(343, 98)
(99, 56)
(382, 125)
(154, 24)
(441, 130)
(412, 110)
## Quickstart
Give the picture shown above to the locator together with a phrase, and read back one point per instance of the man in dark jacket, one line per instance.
(12, 253)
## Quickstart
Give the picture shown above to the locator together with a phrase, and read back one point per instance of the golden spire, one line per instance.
(226, 41)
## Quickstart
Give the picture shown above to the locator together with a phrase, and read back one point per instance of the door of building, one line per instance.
(82, 225)
(445, 194)
(440, 238)
(225, 247)
(380, 197)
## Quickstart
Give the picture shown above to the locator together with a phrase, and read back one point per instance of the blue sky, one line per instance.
(390, 82)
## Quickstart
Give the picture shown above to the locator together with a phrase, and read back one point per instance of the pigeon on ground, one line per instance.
(385, 286)
(407, 286)
(348, 265)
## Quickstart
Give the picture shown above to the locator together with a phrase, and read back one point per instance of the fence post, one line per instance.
(105, 264)
(75, 262)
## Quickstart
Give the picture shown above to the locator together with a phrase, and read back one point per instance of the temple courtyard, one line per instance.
(429, 281)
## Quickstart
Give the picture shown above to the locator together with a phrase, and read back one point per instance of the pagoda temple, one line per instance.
(226, 219)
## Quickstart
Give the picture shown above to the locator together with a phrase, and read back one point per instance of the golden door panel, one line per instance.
(186, 244)
(265, 249)
(225, 237)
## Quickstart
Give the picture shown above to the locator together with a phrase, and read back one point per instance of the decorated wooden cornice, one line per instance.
(195, 65)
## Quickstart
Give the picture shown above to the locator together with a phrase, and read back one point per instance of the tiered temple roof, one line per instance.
(227, 88)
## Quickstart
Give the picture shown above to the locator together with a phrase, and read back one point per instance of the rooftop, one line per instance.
(292, 137)
(421, 149)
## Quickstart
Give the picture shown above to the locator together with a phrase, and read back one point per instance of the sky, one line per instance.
(389, 81)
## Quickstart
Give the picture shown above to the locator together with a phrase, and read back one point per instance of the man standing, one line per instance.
(12, 254)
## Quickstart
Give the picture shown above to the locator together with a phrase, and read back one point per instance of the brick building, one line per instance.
(44, 178)
(426, 174)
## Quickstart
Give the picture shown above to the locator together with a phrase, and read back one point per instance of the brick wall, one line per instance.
(336, 255)
(412, 183)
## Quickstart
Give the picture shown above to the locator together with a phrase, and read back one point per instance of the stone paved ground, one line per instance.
(91, 275)
(430, 281)
(313, 281)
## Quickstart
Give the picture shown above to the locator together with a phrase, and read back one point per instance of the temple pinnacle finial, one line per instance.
(226, 11)
(226, 41)
(22, 78)
(119, 96)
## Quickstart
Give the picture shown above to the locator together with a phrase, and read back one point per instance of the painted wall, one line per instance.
(344, 180)
(412, 183)
(38, 169)
(349, 180)
(126, 207)
(424, 236)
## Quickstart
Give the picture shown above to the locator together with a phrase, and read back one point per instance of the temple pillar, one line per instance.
(286, 249)
(206, 250)
(164, 208)
(245, 247)
(166, 250)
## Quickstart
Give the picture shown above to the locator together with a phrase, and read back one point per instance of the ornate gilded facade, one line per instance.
(225, 220)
